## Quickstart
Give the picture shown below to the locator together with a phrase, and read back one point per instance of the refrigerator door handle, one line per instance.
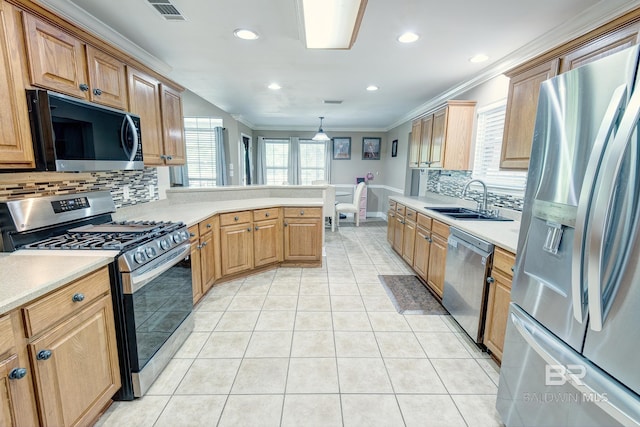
(601, 207)
(593, 385)
(605, 131)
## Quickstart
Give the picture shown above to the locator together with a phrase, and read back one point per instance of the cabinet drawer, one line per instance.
(392, 205)
(504, 261)
(400, 209)
(303, 212)
(49, 310)
(424, 221)
(440, 228)
(194, 233)
(410, 214)
(207, 225)
(262, 214)
(235, 218)
(7, 341)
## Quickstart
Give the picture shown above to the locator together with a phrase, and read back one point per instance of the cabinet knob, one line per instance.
(490, 280)
(257, 228)
(513, 268)
(97, 92)
(78, 297)
(43, 354)
(192, 234)
(169, 157)
(17, 373)
(204, 244)
(84, 87)
(199, 246)
(267, 214)
(286, 224)
(209, 225)
(301, 213)
(235, 218)
(249, 229)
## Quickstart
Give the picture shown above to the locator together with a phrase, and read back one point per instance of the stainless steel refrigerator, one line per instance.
(572, 346)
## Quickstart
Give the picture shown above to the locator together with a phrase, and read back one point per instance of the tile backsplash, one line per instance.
(21, 185)
(451, 183)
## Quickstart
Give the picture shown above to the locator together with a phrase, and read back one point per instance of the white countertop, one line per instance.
(27, 275)
(500, 233)
(193, 213)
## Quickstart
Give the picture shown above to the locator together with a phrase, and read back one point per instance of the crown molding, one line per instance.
(332, 130)
(590, 19)
(78, 16)
(241, 119)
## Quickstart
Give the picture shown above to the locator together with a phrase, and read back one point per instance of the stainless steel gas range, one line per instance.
(150, 276)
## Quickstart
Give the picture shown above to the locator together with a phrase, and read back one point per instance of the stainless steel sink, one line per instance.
(467, 214)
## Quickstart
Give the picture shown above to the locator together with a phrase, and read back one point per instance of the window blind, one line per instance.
(312, 161)
(201, 147)
(277, 161)
(486, 165)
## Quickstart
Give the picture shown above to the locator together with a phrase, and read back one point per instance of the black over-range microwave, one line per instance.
(74, 135)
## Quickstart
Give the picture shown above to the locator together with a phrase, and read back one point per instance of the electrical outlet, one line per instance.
(125, 192)
(152, 191)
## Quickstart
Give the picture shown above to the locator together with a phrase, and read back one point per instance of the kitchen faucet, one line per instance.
(483, 207)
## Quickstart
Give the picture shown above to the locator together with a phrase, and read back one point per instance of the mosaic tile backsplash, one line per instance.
(48, 184)
(452, 183)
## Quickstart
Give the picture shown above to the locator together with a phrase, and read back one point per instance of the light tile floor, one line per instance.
(319, 347)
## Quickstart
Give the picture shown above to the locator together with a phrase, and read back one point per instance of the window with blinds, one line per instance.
(486, 164)
(277, 161)
(201, 150)
(312, 161)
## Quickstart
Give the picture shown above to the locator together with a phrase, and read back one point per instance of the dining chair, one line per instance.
(353, 208)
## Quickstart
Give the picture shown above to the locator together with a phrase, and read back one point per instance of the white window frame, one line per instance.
(284, 141)
(197, 141)
(488, 144)
(323, 162)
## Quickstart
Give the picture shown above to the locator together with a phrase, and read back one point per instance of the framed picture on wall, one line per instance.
(370, 148)
(394, 148)
(342, 148)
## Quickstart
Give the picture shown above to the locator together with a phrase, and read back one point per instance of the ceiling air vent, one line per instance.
(332, 101)
(167, 10)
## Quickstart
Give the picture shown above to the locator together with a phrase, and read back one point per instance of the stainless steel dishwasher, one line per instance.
(465, 281)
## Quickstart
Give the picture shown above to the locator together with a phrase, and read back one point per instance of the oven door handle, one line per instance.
(138, 280)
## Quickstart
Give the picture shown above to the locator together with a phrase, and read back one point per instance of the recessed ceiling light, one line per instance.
(372, 88)
(245, 34)
(481, 57)
(408, 37)
(274, 86)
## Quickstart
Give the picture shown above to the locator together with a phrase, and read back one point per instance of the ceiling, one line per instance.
(202, 54)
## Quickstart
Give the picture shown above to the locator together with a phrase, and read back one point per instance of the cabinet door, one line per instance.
(207, 261)
(520, 119)
(16, 149)
(236, 248)
(600, 47)
(196, 271)
(144, 100)
(458, 134)
(302, 239)
(267, 242)
(56, 59)
(172, 126)
(414, 144)
(497, 312)
(425, 141)
(7, 395)
(107, 79)
(438, 138)
(391, 225)
(408, 241)
(421, 252)
(437, 263)
(398, 234)
(80, 374)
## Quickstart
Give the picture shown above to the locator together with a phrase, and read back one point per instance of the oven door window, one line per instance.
(157, 310)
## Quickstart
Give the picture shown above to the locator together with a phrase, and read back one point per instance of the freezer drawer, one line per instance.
(544, 382)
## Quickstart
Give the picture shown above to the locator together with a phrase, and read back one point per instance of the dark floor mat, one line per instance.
(410, 296)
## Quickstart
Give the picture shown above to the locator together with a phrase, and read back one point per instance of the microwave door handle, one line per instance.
(602, 205)
(128, 124)
(605, 131)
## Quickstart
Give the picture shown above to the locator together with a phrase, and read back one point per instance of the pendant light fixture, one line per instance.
(320, 135)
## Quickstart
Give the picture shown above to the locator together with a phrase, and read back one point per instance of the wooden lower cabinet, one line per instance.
(398, 233)
(498, 301)
(437, 263)
(408, 241)
(422, 251)
(302, 239)
(267, 242)
(236, 248)
(391, 218)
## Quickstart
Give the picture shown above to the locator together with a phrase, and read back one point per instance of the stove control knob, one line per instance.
(177, 237)
(151, 252)
(165, 244)
(185, 236)
(139, 257)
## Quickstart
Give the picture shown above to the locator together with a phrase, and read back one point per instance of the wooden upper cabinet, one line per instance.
(414, 144)
(16, 148)
(56, 58)
(522, 103)
(144, 100)
(172, 126)
(107, 79)
(425, 141)
(451, 135)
